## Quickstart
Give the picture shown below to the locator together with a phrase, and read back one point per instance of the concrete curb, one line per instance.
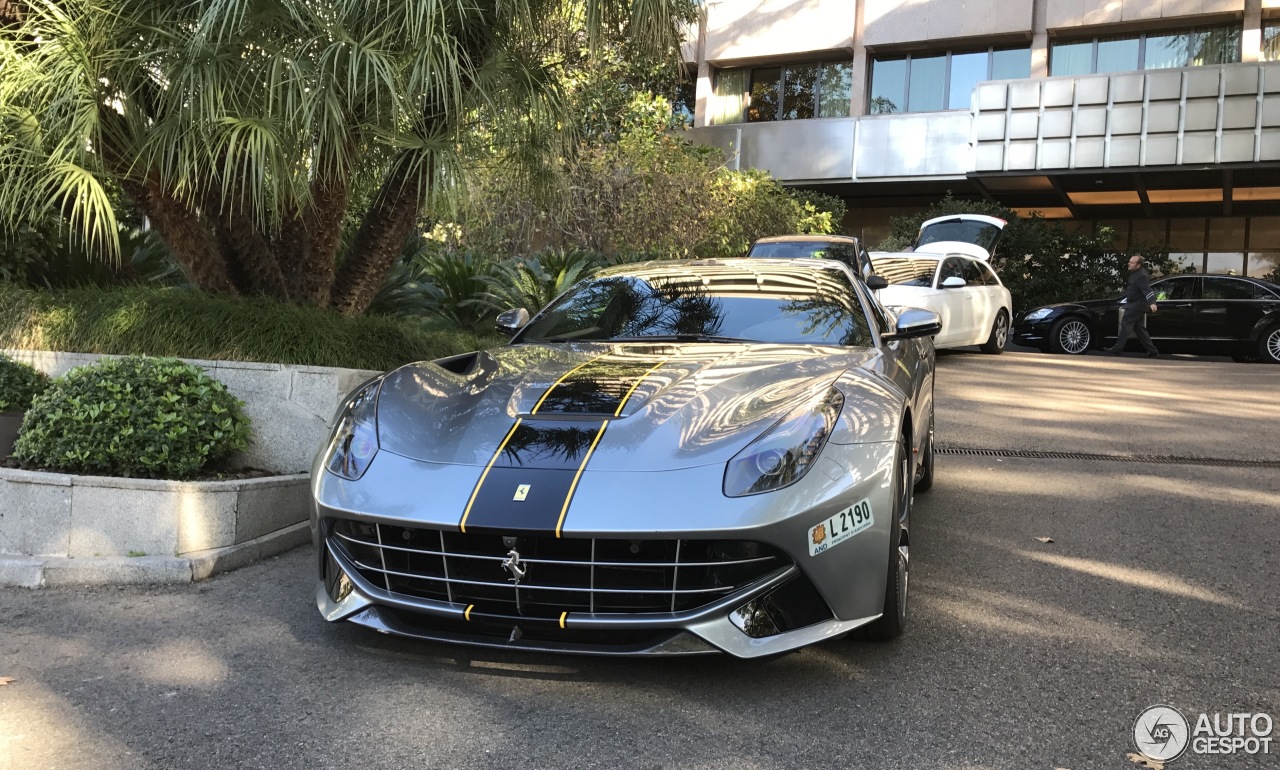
(52, 572)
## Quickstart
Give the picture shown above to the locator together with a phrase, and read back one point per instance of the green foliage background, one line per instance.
(640, 192)
(1041, 261)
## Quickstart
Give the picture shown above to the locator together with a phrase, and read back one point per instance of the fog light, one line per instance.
(336, 582)
(753, 619)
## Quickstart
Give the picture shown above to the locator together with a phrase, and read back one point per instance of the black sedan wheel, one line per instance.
(999, 338)
(1269, 346)
(1070, 335)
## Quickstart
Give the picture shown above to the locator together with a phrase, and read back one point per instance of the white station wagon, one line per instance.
(948, 272)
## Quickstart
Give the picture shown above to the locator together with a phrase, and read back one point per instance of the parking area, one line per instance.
(1161, 584)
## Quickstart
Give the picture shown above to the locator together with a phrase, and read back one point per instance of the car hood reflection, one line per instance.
(666, 405)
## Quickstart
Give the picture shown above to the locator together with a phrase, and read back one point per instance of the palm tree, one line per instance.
(278, 147)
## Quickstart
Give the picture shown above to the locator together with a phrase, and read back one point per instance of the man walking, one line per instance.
(1138, 300)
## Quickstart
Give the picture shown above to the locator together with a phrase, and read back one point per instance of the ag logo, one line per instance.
(819, 533)
(1161, 733)
(522, 492)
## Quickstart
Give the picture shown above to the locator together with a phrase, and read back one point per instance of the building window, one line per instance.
(1124, 53)
(1271, 40)
(940, 81)
(787, 92)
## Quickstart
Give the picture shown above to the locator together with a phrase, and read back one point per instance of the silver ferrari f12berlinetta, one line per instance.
(671, 458)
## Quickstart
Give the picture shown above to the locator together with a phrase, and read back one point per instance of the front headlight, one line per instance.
(355, 439)
(786, 451)
(1036, 315)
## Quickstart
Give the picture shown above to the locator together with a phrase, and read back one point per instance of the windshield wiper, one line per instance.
(681, 338)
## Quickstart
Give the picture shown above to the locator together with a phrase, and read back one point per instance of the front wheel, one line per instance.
(893, 620)
(999, 338)
(1269, 345)
(924, 477)
(1070, 335)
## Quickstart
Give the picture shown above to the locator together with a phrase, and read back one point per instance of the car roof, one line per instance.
(743, 265)
(807, 238)
(1260, 281)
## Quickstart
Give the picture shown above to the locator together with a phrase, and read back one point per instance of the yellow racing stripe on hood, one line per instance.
(463, 524)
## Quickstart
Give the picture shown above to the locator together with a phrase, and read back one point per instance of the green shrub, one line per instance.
(19, 384)
(532, 283)
(186, 324)
(133, 417)
(640, 193)
(455, 285)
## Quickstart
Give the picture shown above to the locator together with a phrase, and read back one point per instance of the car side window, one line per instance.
(951, 268)
(988, 275)
(1227, 288)
(1174, 288)
(973, 273)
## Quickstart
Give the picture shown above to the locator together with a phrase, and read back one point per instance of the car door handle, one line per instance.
(1180, 304)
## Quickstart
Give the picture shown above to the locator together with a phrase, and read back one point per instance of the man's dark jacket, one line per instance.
(1139, 297)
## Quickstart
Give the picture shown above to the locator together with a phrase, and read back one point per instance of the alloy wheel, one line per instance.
(1273, 345)
(906, 495)
(1002, 331)
(1074, 337)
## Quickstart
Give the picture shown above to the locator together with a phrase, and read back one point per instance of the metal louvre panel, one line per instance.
(564, 574)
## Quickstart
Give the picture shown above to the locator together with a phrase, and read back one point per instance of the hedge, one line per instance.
(186, 324)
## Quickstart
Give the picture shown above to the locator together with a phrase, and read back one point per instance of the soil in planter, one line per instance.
(225, 474)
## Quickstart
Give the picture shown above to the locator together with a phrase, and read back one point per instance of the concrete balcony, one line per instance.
(935, 144)
(1121, 144)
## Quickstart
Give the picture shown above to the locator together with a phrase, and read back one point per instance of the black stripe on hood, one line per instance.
(598, 387)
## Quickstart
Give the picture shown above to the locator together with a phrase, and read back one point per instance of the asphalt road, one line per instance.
(1161, 585)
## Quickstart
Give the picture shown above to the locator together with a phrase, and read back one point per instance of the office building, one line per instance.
(1157, 118)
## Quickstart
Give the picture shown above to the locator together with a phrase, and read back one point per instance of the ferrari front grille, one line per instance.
(598, 575)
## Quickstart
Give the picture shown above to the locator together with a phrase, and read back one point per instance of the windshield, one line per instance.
(843, 252)
(906, 271)
(801, 307)
(981, 234)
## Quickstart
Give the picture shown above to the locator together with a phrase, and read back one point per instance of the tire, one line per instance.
(893, 621)
(1070, 335)
(999, 339)
(1269, 345)
(924, 478)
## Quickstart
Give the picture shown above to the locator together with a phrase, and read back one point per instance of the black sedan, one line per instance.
(1207, 314)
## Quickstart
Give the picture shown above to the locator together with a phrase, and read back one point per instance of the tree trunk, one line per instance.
(189, 239)
(386, 226)
(243, 234)
(323, 222)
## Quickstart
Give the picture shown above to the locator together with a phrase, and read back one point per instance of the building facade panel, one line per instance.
(800, 150)
(933, 145)
(1070, 14)
(894, 23)
(756, 29)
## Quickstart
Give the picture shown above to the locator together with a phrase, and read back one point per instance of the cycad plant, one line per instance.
(534, 282)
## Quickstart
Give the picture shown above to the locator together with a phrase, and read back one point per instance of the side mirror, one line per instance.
(915, 322)
(875, 283)
(953, 282)
(512, 321)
